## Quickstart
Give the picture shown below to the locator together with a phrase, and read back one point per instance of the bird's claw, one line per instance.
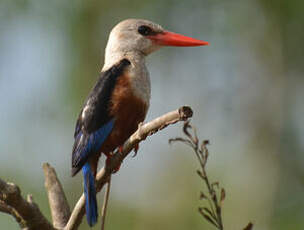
(108, 160)
(135, 150)
(120, 149)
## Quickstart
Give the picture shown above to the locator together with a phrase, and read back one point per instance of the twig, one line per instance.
(216, 195)
(212, 213)
(105, 204)
(142, 132)
(26, 212)
(9, 210)
(59, 206)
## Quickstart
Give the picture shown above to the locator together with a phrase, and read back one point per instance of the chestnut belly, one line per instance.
(124, 126)
(128, 111)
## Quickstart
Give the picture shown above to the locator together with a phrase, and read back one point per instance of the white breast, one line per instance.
(140, 80)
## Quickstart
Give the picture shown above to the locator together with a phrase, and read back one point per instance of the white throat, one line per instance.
(138, 73)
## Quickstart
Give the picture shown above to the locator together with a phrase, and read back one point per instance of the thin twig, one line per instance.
(105, 204)
(213, 213)
(9, 210)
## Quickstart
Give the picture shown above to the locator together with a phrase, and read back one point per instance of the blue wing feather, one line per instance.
(87, 144)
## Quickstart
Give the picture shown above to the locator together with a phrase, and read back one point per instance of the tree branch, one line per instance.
(9, 210)
(105, 204)
(26, 212)
(59, 206)
(141, 134)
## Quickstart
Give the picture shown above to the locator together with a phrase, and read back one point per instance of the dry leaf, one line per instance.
(223, 195)
(207, 217)
(249, 226)
(203, 196)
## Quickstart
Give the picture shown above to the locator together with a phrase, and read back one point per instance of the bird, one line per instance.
(120, 99)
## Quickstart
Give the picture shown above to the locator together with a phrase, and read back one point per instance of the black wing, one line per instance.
(94, 122)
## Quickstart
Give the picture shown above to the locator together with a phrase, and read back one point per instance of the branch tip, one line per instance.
(185, 112)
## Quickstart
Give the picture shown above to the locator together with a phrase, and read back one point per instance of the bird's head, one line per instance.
(143, 36)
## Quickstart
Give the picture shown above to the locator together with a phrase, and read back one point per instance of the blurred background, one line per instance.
(246, 90)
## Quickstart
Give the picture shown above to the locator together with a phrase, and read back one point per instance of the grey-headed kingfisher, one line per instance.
(119, 100)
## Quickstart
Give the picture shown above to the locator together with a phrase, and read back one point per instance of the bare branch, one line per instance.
(26, 212)
(5, 208)
(105, 204)
(141, 134)
(9, 210)
(59, 206)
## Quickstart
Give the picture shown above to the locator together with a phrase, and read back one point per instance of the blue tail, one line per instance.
(90, 194)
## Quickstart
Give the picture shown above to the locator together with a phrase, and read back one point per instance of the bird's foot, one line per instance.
(135, 150)
(120, 149)
(110, 155)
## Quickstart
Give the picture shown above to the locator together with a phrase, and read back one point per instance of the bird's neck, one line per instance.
(113, 57)
(137, 72)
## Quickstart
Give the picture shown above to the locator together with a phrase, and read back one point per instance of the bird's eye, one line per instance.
(144, 30)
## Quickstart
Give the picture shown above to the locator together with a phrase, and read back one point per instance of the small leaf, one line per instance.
(203, 196)
(223, 195)
(249, 226)
(204, 150)
(206, 142)
(200, 174)
(176, 139)
(207, 217)
(179, 139)
(215, 184)
(204, 145)
(206, 154)
(186, 129)
(210, 213)
(195, 138)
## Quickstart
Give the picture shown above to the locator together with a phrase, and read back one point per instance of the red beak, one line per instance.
(168, 38)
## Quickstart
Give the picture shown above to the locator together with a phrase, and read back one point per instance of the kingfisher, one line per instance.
(119, 100)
